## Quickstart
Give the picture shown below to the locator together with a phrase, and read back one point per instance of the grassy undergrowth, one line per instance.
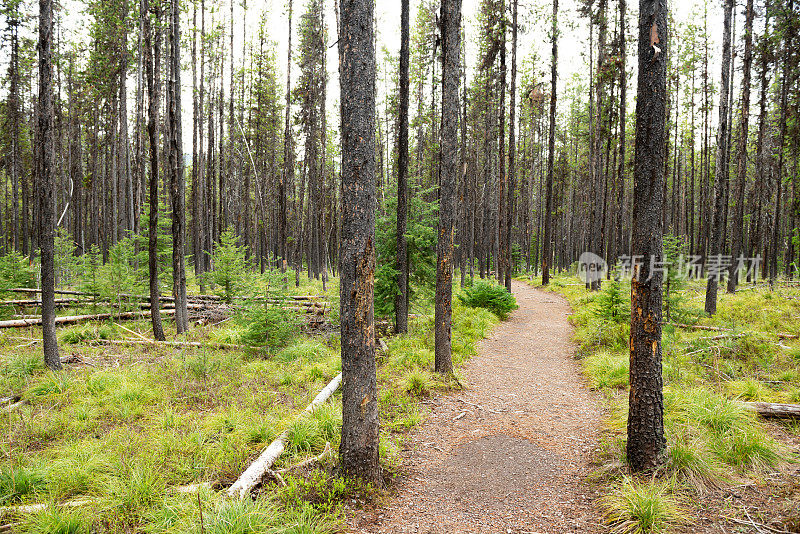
(124, 431)
(712, 440)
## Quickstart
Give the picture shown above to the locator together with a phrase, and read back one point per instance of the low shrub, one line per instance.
(493, 297)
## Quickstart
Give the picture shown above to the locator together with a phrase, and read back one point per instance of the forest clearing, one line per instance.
(432, 266)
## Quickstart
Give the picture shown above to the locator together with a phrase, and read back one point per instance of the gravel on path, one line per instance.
(511, 452)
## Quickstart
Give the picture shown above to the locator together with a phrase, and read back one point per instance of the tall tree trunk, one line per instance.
(500, 260)
(551, 152)
(401, 300)
(448, 176)
(287, 162)
(15, 165)
(623, 108)
(151, 52)
(177, 181)
(646, 442)
(720, 176)
(45, 159)
(512, 149)
(358, 451)
(737, 231)
(785, 83)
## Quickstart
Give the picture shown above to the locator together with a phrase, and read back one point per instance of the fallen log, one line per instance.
(75, 319)
(261, 466)
(780, 335)
(35, 302)
(180, 344)
(772, 410)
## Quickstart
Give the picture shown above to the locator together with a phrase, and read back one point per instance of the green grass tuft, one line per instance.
(18, 483)
(641, 507)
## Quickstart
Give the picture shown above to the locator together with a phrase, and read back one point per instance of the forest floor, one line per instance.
(512, 451)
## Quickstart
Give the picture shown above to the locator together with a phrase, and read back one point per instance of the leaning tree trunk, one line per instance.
(401, 300)
(152, 132)
(451, 36)
(551, 151)
(45, 159)
(358, 452)
(741, 169)
(721, 174)
(646, 442)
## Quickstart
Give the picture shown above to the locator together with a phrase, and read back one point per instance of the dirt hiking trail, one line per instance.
(511, 452)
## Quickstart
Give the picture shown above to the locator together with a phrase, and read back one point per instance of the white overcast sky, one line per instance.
(534, 18)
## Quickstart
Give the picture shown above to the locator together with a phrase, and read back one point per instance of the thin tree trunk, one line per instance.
(512, 150)
(401, 299)
(46, 173)
(551, 151)
(451, 49)
(720, 176)
(741, 169)
(152, 55)
(177, 181)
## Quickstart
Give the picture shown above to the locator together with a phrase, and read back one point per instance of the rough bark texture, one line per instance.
(177, 181)
(451, 36)
(46, 174)
(358, 452)
(721, 174)
(646, 442)
(401, 301)
(623, 105)
(512, 150)
(152, 132)
(551, 152)
(741, 170)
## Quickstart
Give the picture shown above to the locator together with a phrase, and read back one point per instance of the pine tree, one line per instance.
(646, 442)
(358, 452)
(45, 155)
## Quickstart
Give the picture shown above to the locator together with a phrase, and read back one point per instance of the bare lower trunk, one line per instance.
(46, 169)
(358, 452)
(401, 300)
(451, 35)
(646, 442)
(152, 120)
(551, 151)
(721, 174)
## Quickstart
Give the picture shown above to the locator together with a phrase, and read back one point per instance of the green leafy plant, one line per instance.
(490, 296)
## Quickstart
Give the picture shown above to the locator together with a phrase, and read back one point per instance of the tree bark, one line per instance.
(646, 441)
(721, 171)
(177, 180)
(737, 230)
(358, 451)
(551, 152)
(46, 168)
(451, 49)
(512, 150)
(152, 65)
(401, 299)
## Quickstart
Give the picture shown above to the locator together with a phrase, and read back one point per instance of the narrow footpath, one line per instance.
(510, 453)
